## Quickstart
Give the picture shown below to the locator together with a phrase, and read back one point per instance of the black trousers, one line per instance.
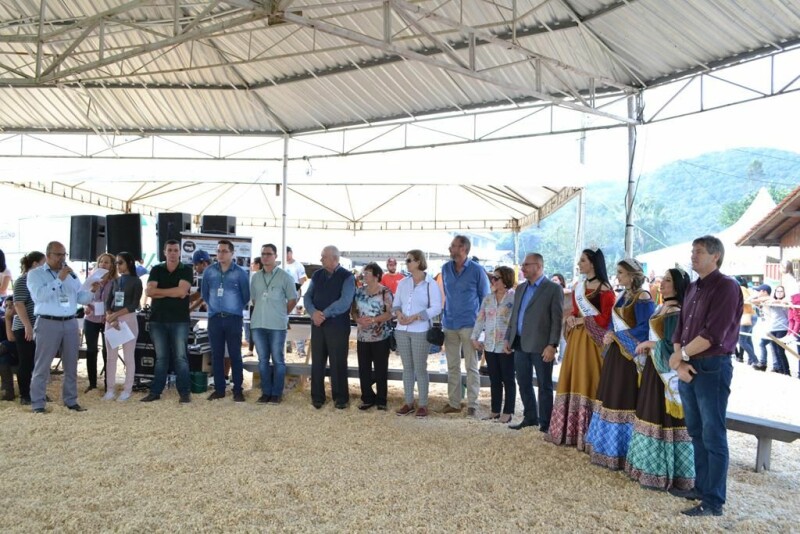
(25, 352)
(92, 331)
(373, 353)
(329, 342)
(501, 376)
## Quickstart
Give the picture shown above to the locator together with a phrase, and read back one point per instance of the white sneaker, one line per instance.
(109, 396)
(124, 396)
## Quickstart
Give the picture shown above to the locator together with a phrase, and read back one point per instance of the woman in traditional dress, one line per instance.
(592, 302)
(615, 408)
(660, 455)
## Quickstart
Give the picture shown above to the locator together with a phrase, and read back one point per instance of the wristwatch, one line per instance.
(684, 356)
(554, 345)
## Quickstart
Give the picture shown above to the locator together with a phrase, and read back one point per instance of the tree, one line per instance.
(733, 210)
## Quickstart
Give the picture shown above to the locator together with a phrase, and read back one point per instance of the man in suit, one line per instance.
(533, 334)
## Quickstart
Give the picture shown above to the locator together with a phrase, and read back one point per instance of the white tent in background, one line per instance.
(738, 260)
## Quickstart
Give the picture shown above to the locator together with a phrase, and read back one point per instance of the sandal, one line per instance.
(506, 418)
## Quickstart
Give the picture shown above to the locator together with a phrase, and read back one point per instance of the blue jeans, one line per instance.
(270, 343)
(746, 343)
(170, 340)
(705, 402)
(222, 332)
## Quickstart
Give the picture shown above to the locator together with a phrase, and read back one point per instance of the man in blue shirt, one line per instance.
(465, 284)
(226, 291)
(56, 293)
(327, 300)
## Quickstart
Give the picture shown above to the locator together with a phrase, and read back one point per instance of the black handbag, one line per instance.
(434, 335)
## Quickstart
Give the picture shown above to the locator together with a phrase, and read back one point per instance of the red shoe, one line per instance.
(422, 411)
(405, 410)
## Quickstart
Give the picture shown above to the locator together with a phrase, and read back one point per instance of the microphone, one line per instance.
(64, 264)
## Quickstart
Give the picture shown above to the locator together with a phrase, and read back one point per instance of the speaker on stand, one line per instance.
(169, 226)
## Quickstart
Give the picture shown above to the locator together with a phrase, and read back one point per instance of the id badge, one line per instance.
(220, 292)
(119, 299)
(63, 300)
(265, 294)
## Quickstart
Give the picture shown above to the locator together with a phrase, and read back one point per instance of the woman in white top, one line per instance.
(417, 301)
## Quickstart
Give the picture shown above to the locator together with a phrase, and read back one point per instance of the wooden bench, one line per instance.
(765, 431)
(303, 369)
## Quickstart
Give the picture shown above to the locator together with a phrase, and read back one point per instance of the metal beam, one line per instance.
(344, 33)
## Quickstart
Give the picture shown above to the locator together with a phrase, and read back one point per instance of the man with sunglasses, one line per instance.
(56, 293)
(465, 284)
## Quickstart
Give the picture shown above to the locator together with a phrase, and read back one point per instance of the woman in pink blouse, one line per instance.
(493, 320)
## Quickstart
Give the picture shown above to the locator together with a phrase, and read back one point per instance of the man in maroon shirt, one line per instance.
(704, 339)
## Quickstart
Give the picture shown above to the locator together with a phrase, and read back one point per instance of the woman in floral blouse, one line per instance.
(372, 312)
(493, 320)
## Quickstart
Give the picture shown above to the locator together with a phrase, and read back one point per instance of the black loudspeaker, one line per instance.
(124, 233)
(218, 224)
(87, 237)
(170, 226)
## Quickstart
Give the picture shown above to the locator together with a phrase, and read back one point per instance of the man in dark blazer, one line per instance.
(533, 334)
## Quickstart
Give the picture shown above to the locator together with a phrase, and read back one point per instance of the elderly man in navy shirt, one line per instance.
(465, 284)
(327, 301)
(704, 340)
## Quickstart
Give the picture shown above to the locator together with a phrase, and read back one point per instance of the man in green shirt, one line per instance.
(274, 295)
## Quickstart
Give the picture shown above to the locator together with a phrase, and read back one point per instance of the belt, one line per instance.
(57, 318)
(223, 314)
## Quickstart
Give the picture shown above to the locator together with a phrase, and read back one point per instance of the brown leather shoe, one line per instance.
(405, 410)
(450, 409)
(422, 411)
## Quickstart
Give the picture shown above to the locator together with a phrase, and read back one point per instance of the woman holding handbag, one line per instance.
(417, 301)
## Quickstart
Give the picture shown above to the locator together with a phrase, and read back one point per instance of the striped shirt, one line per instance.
(21, 294)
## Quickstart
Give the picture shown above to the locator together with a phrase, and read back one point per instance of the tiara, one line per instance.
(634, 263)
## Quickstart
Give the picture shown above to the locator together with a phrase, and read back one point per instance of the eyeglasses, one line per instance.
(119, 262)
(494, 277)
(530, 263)
(409, 260)
(223, 251)
(267, 253)
(59, 254)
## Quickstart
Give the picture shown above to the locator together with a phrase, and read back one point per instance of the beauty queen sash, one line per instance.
(588, 311)
(669, 377)
(627, 343)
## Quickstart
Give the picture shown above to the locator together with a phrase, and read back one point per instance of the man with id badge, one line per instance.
(226, 291)
(274, 297)
(56, 293)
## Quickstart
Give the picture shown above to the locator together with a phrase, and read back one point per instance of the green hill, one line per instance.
(674, 203)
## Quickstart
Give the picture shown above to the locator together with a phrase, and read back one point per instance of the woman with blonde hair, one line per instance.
(615, 408)
(417, 301)
(94, 322)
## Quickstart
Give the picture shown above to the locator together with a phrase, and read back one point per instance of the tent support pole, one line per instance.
(633, 108)
(285, 191)
(579, 232)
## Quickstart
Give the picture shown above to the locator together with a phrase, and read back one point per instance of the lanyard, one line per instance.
(271, 278)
